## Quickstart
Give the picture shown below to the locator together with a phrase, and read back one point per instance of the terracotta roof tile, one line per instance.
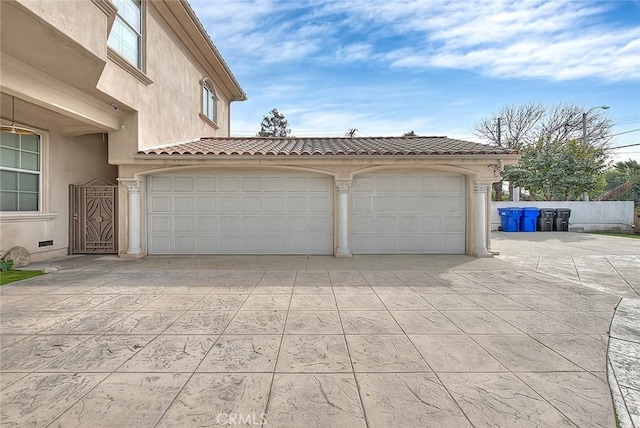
(329, 146)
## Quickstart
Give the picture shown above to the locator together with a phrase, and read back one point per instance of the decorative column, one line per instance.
(133, 215)
(480, 218)
(343, 218)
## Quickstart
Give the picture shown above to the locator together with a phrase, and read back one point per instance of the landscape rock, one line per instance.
(20, 256)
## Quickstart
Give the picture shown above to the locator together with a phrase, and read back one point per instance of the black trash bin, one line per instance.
(561, 222)
(545, 221)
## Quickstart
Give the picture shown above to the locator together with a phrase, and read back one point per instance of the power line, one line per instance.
(625, 132)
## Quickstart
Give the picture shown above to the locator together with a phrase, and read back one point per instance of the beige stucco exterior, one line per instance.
(93, 110)
(96, 111)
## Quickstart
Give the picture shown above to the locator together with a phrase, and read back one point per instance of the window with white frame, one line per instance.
(209, 102)
(126, 34)
(20, 157)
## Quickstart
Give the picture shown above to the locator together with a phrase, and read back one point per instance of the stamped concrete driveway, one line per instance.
(303, 341)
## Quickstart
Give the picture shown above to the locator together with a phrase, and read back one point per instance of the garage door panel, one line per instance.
(229, 225)
(362, 203)
(453, 223)
(296, 225)
(228, 184)
(385, 203)
(407, 244)
(274, 225)
(430, 223)
(318, 225)
(319, 243)
(296, 204)
(251, 225)
(240, 213)
(409, 203)
(274, 204)
(451, 244)
(408, 224)
(204, 205)
(409, 183)
(409, 213)
(452, 202)
(159, 184)
(430, 202)
(206, 225)
(229, 204)
(205, 184)
(206, 245)
(274, 184)
(274, 244)
(362, 224)
(252, 203)
(320, 203)
(251, 184)
(183, 224)
(296, 185)
(251, 244)
(229, 244)
(319, 184)
(184, 244)
(385, 224)
(160, 204)
(297, 243)
(161, 244)
(183, 184)
(183, 204)
(452, 183)
(160, 223)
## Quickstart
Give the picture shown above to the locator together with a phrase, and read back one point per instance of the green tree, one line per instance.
(559, 171)
(623, 181)
(274, 125)
(551, 130)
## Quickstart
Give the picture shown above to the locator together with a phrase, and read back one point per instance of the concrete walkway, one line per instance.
(606, 263)
(303, 341)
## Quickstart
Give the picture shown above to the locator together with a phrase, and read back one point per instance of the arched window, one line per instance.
(209, 101)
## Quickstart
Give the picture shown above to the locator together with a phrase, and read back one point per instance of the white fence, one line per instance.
(585, 216)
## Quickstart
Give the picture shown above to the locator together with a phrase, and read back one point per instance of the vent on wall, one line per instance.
(45, 243)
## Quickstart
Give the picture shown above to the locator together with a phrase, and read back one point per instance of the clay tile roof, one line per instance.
(329, 146)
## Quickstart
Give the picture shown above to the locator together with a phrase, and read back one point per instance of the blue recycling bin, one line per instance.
(529, 219)
(510, 218)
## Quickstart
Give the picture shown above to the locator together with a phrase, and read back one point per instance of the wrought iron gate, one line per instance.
(93, 217)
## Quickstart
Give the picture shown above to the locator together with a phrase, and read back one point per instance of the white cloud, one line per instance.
(558, 40)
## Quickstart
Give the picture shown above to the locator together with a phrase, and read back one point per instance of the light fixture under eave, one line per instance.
(13, 129)
(17, 130)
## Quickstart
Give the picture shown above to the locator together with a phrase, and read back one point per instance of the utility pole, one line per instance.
(499, 132)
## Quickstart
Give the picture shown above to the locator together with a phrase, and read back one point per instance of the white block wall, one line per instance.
(585, 216)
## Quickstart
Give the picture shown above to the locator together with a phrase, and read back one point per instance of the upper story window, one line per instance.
(209, 102)
(126, 34)
(20, 157)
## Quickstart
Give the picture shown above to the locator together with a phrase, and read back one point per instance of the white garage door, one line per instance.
(240, 214)
(409, 213)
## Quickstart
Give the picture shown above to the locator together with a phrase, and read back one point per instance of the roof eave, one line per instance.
(504, 157)
(238, 92)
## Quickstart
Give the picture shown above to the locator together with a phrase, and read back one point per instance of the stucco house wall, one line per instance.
(93, 111)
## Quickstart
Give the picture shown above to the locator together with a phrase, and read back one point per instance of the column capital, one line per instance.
(343, 186)
(131, 184)
(481, 185)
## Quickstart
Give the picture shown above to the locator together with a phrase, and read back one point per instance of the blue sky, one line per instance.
(435, 67)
